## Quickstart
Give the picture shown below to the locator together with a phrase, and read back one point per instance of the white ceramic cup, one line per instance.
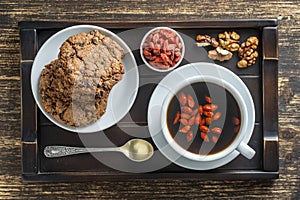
(245, 128)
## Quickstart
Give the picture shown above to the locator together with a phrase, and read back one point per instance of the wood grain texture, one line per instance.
(288, 13)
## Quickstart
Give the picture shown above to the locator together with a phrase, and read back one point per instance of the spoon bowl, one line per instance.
(137, 150)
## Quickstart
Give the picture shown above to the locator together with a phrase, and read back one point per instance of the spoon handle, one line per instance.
(59, 151)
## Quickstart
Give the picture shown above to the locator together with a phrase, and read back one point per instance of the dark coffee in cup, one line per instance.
(203, 118)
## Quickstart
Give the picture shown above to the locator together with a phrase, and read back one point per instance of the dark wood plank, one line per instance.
(28, 127)
(243, 23)
(270, 105)
(286, 187)
(28, 41)
(29, 166)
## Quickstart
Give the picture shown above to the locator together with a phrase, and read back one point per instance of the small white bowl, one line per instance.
(146, 61)
(247, 116)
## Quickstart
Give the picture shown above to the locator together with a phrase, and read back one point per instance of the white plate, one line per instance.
(167, 85)
(121, 97)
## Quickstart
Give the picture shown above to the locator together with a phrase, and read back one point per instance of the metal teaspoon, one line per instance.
(137, 150)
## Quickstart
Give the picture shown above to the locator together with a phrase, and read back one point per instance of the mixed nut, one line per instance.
(206, 40)
(162, 49)
(200, 116)
(219, 54)
(247, 52)
(228, 43)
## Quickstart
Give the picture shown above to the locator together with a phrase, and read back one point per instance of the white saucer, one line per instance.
(166, 86)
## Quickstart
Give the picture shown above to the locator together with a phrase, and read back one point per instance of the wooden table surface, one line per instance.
(288, 14)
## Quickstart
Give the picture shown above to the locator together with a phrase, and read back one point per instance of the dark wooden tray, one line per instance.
(261, 79)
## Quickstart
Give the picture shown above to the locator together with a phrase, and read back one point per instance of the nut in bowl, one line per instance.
(205, 118)
(162, 49)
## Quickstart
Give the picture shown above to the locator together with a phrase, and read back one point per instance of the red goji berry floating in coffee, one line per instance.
(182, 98)
(185, 116)
(200, 110)
(186, 109)
(237, 129)
(191, 101)
(189, 136)
(207, 108)
(195, 111)
(208, 114)
(214, 107)
(202, 122)
(236, 121)
(192, 120)
(204, 128)
(184, 121)
(208, 121)
(197, 119)
(214, 139)
(210, 107)
(216, 130)
(176, 119)
(207, 99)
(216, 116)
(185, 129)
(204, 136)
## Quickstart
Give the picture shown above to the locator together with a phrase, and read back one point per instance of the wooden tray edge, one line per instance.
(271, 171)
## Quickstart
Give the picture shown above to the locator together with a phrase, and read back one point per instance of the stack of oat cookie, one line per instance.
(75, 87)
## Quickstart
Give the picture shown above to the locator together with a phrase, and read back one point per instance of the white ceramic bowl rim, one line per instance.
(244, 118)
(147, 63)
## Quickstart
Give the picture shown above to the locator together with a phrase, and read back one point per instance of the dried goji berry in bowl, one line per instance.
(162, 49)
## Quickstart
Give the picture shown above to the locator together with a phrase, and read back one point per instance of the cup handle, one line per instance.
(246, 150)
